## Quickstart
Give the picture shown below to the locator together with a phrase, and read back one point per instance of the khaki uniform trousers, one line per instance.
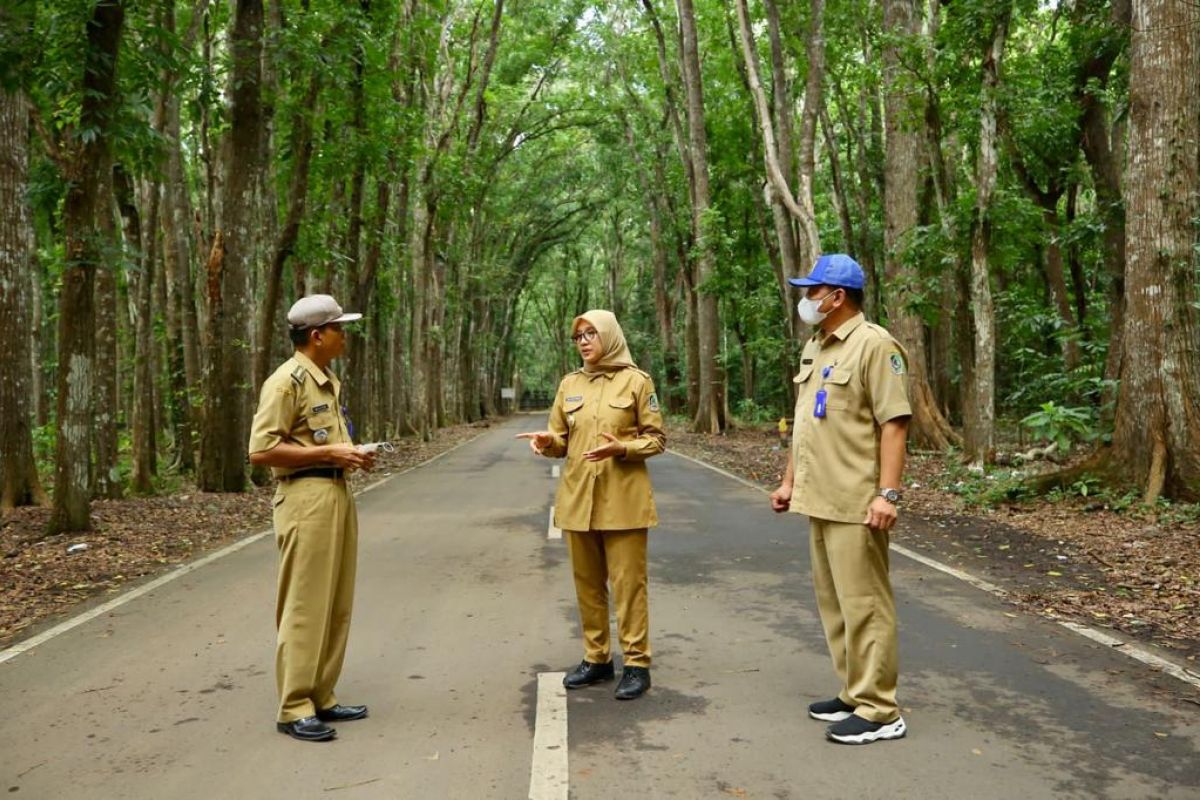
(858, 612)
(599, 558)
(316, 530)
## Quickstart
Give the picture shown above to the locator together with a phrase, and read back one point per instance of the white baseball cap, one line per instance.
(316, 310)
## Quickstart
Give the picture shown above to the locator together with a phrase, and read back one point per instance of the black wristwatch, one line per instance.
(891, 495)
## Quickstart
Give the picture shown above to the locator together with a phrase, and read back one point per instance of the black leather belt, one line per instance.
(316, 472)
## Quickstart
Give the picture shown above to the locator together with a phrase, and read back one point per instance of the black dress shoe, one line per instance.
(588, 673)
(340, 713)
(308, 729)
(634, 683)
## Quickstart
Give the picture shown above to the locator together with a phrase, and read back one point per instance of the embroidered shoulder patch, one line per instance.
(654, 401)
(897, 362)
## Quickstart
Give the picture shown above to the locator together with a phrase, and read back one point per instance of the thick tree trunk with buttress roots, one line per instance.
(1156, 441)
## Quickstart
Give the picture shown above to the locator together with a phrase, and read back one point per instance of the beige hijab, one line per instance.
(612, 341)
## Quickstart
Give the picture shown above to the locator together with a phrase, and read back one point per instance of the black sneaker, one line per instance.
(830, 710)
(856, 730)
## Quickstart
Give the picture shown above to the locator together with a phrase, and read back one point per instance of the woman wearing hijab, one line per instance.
(606, 421)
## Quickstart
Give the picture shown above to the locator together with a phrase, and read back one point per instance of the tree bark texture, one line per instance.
(710, 410)
(1103, 147)
(141, 249)
(228, 396)
(902, 143)
(19, 482)
(289, 233)
(1156, 442)
(87, 248)
(980, 428)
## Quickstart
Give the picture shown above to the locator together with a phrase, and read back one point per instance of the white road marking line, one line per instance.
(133, 594)
(548, 775)
(978, 583)
(551, 531)
(1125, 645)
(1133, 651)
(116, 602)
(555, 470)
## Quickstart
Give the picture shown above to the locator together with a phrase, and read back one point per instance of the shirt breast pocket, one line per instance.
(320, 426)
(622, 415)
(838, 389)
(570, 409)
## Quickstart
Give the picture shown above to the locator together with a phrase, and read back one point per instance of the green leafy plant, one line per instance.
(1062, 425)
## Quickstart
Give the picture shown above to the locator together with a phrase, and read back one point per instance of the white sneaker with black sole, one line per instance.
(856, 730)
(830, 710)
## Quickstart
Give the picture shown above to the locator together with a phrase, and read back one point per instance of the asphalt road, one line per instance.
(463, 600)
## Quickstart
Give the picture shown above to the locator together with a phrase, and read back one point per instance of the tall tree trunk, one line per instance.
(18, 470)
(183, 325)
(807, 246)
(1056, 279)
(981, 411)
(952, 329)
(781, 110)
(710, 411)
(289, 233)
(664, 307)
(41, 337)
(1157, 434)
(356, 349)
(929, 429)
(1103, 147)
(87, 201)
(143, 240)
(106, 477)
(226, 421)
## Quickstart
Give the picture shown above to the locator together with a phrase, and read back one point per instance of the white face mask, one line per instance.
(809, 310)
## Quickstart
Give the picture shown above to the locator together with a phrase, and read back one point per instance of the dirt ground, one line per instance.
(44, 577)
(1107, 562)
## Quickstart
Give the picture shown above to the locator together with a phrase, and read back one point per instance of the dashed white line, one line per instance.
(552, 532)
(1126, 647)
(548, 775)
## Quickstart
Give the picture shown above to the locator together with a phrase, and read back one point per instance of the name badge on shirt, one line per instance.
(822, 395)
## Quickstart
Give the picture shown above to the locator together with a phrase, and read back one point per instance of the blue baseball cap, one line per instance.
(835, 269)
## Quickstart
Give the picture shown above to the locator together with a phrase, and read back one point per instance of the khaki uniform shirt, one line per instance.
(613, 494)
(835, 458)
(298, 405)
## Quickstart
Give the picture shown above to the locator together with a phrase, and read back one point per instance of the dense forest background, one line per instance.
(1019, 178)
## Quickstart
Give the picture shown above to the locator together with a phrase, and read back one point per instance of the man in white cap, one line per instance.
(300, 432)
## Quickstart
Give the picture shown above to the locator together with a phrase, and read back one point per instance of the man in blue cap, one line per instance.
(844, 470)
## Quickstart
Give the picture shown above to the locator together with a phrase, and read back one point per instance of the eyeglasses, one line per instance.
(585, 336)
